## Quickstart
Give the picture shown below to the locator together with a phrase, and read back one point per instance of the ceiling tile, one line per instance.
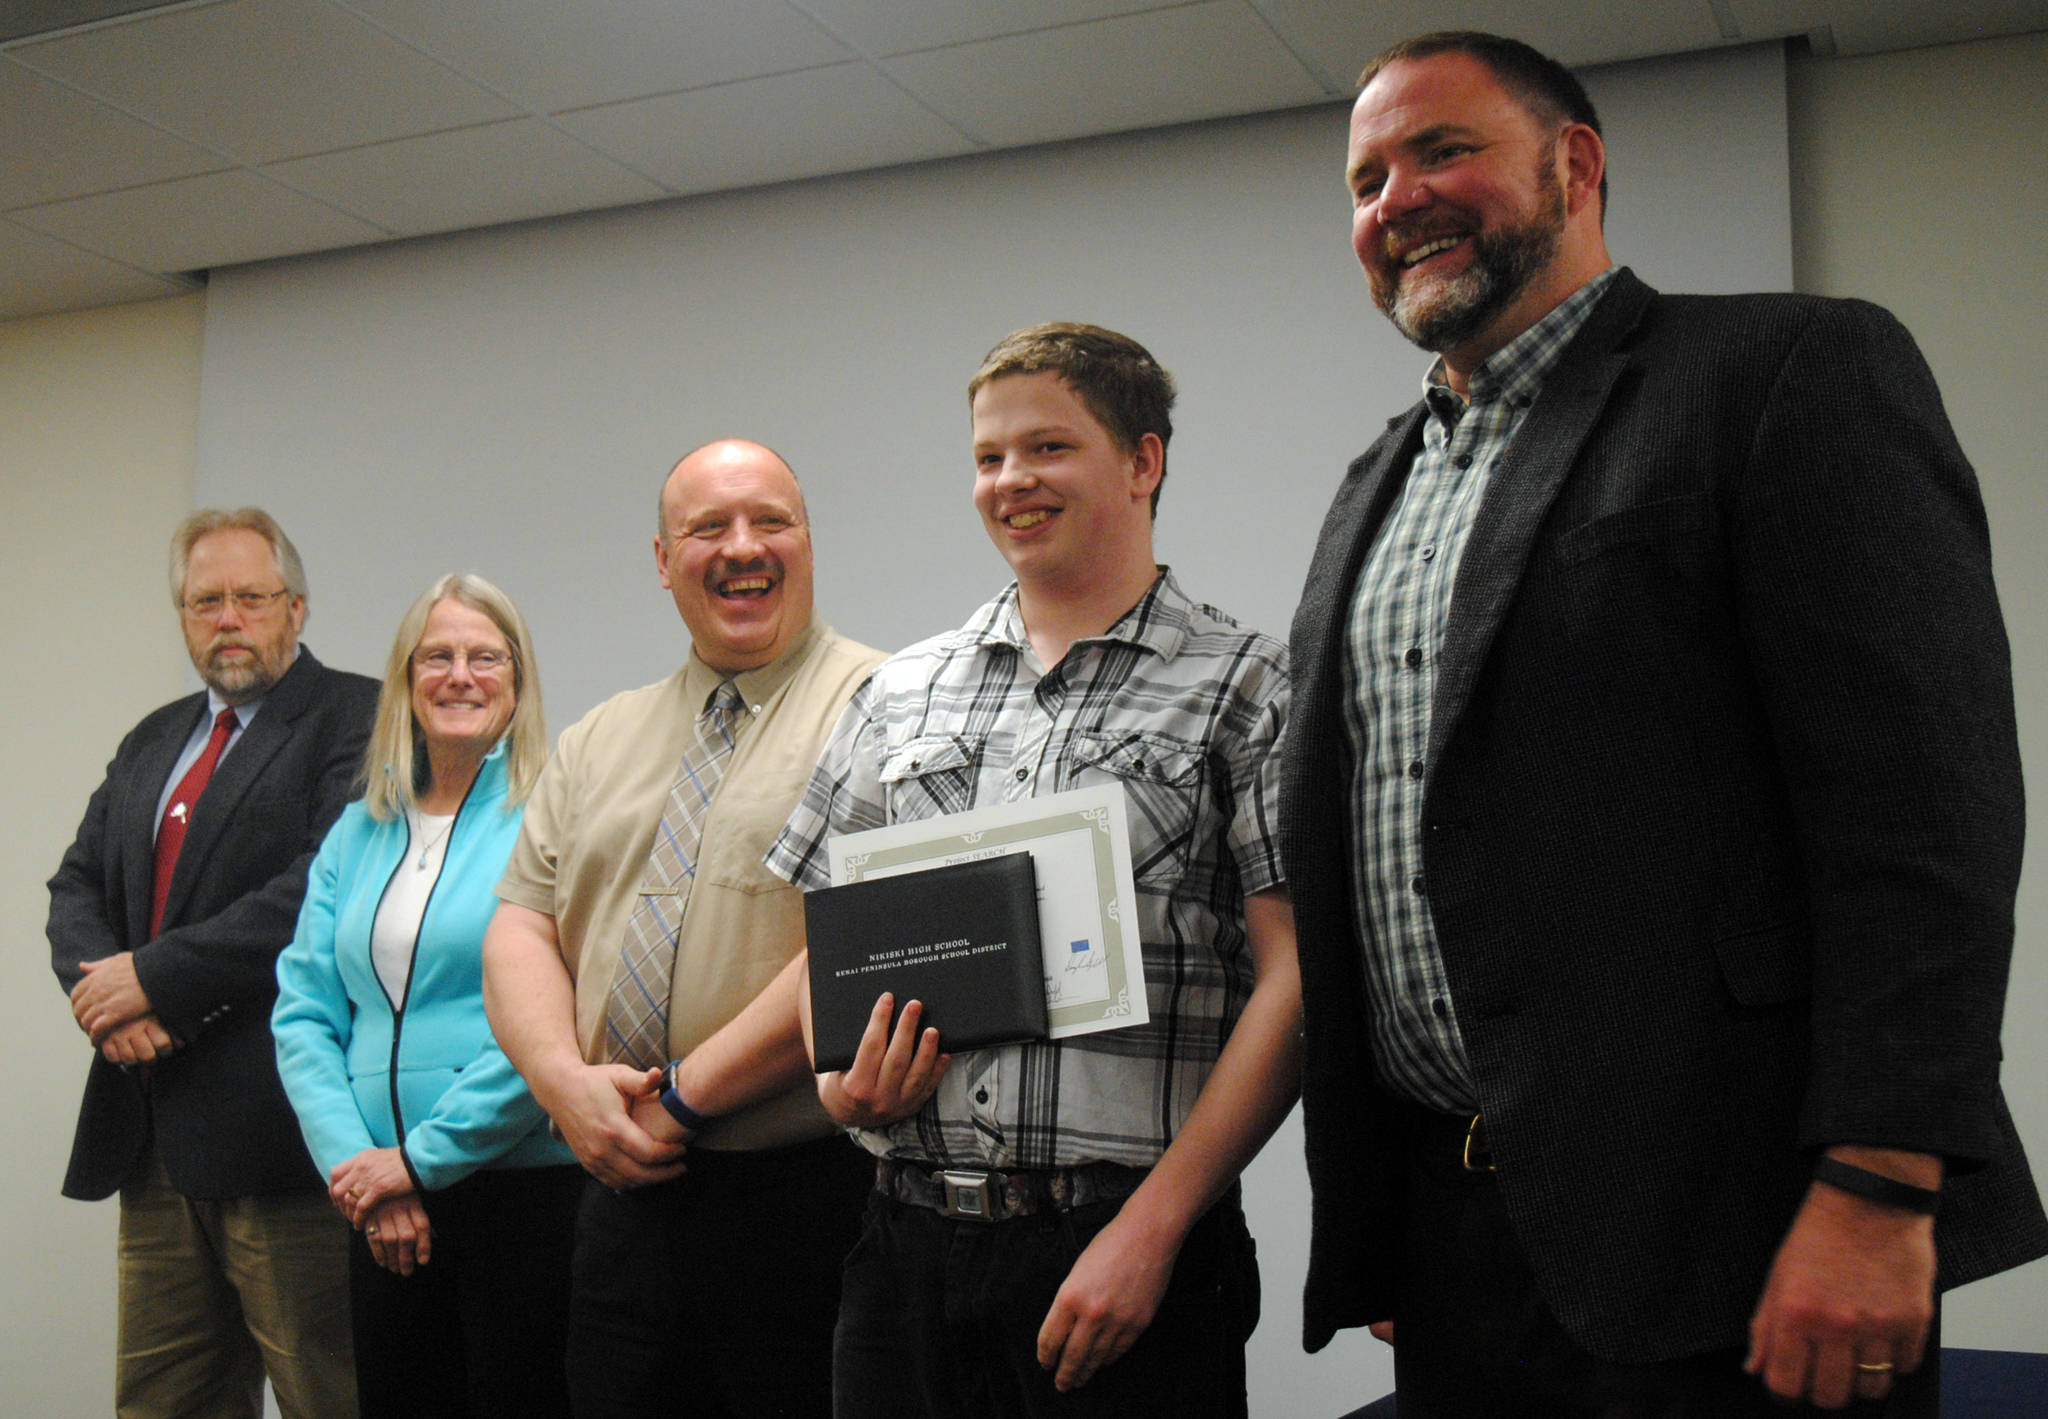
(199, 222)
(262, 80)
(63, 144)
(882, 27)
(1343, 35)
(1871, 26)
(473, 177)
(1140, 71)
(553, 56)
(40, 275)
(836, 119)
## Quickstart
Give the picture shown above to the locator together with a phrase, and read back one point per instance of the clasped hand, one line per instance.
(607, 1117)
(375, 1193)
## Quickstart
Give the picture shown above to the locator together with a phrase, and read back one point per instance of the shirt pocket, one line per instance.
(931, 776)
(1162, 781)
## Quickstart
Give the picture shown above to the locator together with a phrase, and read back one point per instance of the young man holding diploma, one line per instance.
(1110, 1270)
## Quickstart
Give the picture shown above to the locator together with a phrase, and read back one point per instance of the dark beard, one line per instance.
(1503, 265)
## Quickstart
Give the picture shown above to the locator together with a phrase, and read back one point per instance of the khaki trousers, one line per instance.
(215, 1293)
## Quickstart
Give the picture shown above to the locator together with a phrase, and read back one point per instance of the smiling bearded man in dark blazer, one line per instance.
(166, 919)
(1653, 799)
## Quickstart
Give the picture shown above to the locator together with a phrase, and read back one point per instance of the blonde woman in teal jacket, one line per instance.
(463, 1204)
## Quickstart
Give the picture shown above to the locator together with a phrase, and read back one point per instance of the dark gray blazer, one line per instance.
(217, 1112)
(1722, 819)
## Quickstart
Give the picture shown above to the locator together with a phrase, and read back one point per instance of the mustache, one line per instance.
(753, 566)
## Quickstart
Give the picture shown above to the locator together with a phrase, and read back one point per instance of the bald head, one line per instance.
(734, 549)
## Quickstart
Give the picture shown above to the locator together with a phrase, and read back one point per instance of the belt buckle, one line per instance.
(1477, 1158)
(969, 1196)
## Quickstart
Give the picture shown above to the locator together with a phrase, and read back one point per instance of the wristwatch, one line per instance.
(681, 1112)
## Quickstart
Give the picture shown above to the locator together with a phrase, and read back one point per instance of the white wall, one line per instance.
(1897, 175)
(98, 414)
(510, 400)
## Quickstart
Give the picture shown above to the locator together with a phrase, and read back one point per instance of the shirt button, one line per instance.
(981, 1096)
(1463, 460)
(1441, 1010)
(1429, 552)
(1415, 769)
(1415, 884)
(1413, 657)
(1023, 774)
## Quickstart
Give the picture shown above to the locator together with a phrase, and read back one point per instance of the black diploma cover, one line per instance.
(963, 939)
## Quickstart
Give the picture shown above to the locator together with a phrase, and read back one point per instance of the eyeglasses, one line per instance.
(480, 662)
(249, 603)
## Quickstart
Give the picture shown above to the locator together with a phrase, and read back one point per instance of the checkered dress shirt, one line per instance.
(1399, 610)
(1185, 710)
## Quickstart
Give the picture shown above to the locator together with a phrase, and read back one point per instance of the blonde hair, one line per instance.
(395, 765)
(290, 570)
(1126, 389)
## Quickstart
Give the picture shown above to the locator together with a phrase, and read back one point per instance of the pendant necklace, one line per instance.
(429, 845)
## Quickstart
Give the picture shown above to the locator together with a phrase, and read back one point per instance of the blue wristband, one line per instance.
(681, 1112)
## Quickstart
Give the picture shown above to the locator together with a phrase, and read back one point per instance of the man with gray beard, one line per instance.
(166, 919)
(1652, 811)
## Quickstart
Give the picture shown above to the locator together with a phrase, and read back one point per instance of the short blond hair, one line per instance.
(394, 764)
(1125, 388)
(242, 519)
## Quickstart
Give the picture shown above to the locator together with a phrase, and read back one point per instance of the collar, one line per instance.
(759, 685)
(244, 712)
(1158, 622)
(1516, 371)
(491, 775)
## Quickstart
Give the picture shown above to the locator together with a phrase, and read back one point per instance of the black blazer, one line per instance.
(1722, 819)
(217, 1111)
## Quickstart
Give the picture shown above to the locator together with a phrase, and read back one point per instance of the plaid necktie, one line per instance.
(636, 1012)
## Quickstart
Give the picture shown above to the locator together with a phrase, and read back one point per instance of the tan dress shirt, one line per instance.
(590, 825)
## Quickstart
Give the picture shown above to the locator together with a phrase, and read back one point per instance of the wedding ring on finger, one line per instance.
(1882, 1367)
(371, 1231)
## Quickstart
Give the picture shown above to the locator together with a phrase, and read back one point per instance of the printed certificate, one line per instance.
(1080, 843)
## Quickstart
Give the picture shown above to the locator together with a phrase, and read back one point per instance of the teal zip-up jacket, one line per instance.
(424, 1074)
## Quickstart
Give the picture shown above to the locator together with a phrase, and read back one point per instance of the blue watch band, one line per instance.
(681, 1112)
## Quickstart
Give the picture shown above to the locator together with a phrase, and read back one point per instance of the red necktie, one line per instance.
(170, 834)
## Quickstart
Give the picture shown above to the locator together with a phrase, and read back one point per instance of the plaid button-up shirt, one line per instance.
(1184, 709)
(1395, 635)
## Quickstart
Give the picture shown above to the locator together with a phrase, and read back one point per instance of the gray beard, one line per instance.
(238, 683)
(1503, 264)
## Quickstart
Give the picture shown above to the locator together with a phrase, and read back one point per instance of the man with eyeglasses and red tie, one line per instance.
(166, 918)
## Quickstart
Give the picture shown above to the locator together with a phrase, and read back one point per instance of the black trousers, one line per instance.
(714, 1295)
(940, 1320)
(1473, 1338)
(480, 1330)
